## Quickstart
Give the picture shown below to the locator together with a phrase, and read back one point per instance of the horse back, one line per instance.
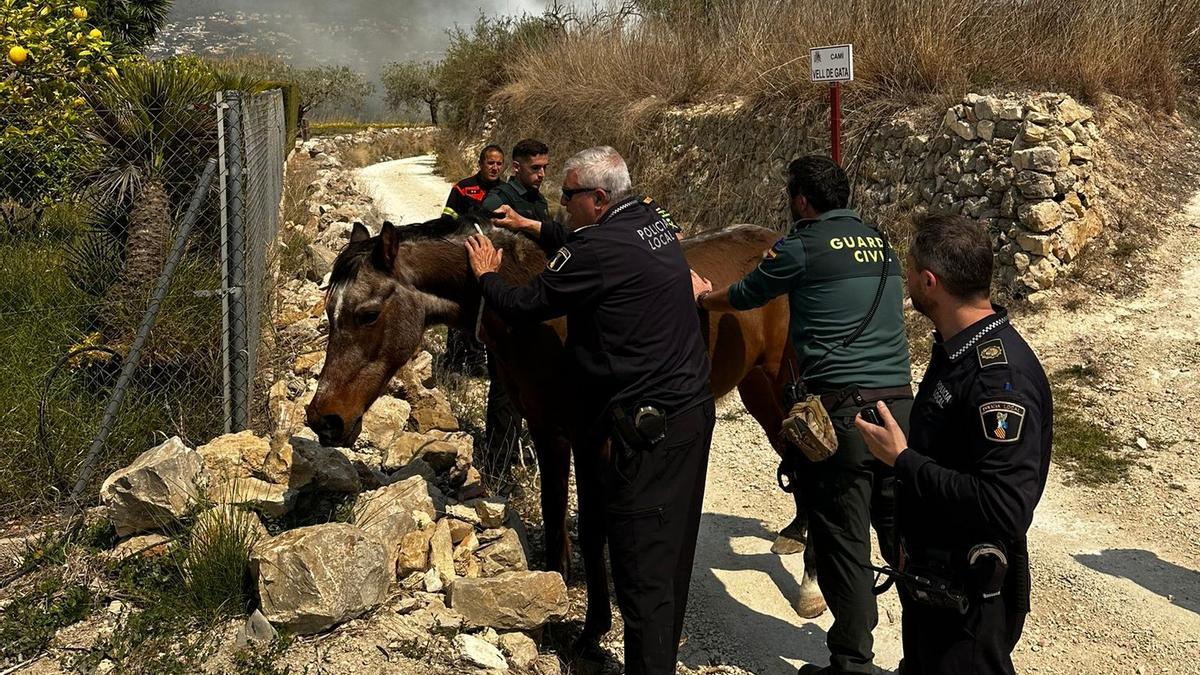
(739, 341)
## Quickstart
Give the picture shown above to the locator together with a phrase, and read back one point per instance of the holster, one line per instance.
(809, 428)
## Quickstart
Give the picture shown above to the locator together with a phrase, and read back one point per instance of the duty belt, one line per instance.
(858, 396)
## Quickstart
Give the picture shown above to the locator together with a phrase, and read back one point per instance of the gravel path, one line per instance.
(1114, 567)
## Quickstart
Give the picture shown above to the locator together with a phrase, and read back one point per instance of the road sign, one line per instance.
(832, 64)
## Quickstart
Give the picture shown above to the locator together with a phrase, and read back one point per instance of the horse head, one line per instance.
(377, 318)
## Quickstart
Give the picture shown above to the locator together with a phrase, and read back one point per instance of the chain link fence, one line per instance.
(116, 280)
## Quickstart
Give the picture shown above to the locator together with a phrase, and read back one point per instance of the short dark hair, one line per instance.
(822, 182)
(489, 148)
(528, 148)
(958, 251)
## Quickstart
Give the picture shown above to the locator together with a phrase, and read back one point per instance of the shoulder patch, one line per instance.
(559, 260)
(991, 353)
(1002, 421)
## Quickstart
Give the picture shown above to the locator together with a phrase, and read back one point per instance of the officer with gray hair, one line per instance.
(641, 372)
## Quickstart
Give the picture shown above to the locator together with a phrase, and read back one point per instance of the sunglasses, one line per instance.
(569, 193)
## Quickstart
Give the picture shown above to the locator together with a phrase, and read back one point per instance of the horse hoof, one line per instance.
(786, 545)
(810, 604)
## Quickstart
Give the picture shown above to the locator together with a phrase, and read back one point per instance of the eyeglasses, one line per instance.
(569, 193)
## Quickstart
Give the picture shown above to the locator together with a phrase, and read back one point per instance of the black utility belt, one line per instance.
(642, 426)
(942, 579)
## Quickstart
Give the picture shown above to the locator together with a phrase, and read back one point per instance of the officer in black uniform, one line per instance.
(641, 373)
(973, 467)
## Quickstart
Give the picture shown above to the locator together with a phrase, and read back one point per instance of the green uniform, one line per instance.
(524, 200)
(830, 268)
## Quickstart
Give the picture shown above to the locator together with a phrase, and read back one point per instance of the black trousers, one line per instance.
(844, 496)
(944, 642)
(502, 427)
(652, 517)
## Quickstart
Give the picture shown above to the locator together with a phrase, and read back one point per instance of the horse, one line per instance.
(386, 290)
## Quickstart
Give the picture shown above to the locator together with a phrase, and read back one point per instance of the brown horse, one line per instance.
(386, 290)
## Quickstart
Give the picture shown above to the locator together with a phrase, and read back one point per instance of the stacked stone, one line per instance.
(1022, 165)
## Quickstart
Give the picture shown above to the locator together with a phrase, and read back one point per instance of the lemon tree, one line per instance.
(51, 56)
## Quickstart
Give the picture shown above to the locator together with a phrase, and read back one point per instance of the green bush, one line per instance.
(291, 107)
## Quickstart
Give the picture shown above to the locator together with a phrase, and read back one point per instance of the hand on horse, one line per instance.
(511, 220)
(700, 285)
(483, 256)
(885, 442)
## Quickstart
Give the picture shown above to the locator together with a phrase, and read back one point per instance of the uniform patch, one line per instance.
(991, 353)
(559, 260)
(1002, 421)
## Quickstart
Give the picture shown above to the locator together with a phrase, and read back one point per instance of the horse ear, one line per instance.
(359, 233)
(389, 244)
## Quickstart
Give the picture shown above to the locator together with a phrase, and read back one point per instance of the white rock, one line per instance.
(479, 653)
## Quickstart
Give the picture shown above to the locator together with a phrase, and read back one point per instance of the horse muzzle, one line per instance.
(332, 430)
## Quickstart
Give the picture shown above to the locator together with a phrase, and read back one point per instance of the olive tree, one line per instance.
(411, 84)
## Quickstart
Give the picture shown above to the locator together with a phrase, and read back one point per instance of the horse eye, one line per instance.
(367, 318)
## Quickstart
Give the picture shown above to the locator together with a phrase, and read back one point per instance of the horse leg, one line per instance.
(592, 539)
(554, 463)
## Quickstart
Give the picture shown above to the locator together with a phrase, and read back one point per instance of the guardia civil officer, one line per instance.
(973, 466)
(522, 192)
(845, 295)
(640, 370)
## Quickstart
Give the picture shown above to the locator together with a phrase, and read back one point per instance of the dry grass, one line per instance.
(394, 146)
(615, 74)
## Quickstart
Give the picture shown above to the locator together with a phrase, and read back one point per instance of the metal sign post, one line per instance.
(833, 64)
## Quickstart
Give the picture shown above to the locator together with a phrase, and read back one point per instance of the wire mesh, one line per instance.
(87, 215)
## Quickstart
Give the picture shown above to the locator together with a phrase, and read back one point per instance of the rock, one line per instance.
(388, 514)
(1032, 134)
(417, 467)
(320, 260)
(439, 450)
(492, 511)
(1080, 154)
(1041, 274)
(385, 421)
(1037, 244)
(256, 630)
(309, 364)
(1040, 158)
(512, 601)
(431, 418)
(312, 578)
(986, 129)
(433, 581)
(1007, 129)
(478, 653)
(547, 664)
(441, 551)
(245, 455)
(413, 555)
(158, 488)
(1040, 216)
(986, 108)
(1034, 185)
(145, 545)
(472, 486)
(960, 127)
(1070, 111)
(505, 553)
(223, 523)
(520, 649)
(332, 470)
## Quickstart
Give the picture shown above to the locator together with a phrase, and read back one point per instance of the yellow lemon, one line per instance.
(95, 33)
(79, 13)
(18, 55)
(79, 102)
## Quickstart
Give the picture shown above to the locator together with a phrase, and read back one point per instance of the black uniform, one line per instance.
(975, 469)
(633, 340)
(467, 194)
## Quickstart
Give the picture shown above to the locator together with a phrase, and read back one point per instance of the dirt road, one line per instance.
(1115, 583)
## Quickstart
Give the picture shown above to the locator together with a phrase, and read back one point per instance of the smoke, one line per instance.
(363, 34)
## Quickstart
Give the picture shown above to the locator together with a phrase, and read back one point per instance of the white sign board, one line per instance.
(832, 64)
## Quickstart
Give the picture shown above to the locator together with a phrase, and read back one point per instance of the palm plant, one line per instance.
(155, 126)
(134, 23)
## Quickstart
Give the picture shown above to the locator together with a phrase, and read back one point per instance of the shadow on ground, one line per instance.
(1147, 570)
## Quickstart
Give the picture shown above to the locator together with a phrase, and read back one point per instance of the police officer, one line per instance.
(641, 373)
(522, 192)
(470, 192)
(847, 326)
(973, 467)
(462, 350)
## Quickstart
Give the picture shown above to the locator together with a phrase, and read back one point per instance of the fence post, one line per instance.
(237, 351)
(139, 342)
